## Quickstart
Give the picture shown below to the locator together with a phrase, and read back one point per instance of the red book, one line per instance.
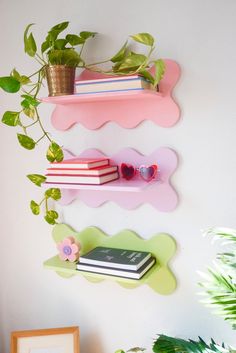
(81, 163)
(79, 172)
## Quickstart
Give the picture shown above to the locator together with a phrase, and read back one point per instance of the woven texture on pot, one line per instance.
(60, 80)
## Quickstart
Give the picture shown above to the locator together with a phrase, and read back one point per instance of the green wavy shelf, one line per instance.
(162, 246)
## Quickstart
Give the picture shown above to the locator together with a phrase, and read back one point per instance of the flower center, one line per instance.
(67, 250)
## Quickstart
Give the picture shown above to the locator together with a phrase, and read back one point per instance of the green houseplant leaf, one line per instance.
(159, 71)
(60, 27)
(67, 57)
(9, 84)
(54, 153)
(35, 208)
(54, 32)
(146, 74)
(144, 38)
(51, 217)
(132, 62)
(29, 41)
(54, 193)
(26, 141)
(24, 80)
(37, 179)
(31, 100)
(120, 55)
(86, 34)
(11, 118)
(74, 39)
(60, 44)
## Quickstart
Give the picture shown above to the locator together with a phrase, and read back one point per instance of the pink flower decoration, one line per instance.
(69, 249)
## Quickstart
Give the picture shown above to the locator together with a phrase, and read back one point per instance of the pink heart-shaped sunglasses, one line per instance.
(147, 173)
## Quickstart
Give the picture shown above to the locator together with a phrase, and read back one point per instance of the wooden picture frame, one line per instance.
(52, 340)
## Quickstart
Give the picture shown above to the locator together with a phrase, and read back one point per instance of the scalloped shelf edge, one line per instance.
(162, 246)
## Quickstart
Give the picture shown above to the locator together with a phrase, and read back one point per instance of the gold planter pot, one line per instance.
(60, 80)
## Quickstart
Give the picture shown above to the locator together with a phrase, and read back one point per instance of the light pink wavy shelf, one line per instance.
(128, 194)
(128, 109)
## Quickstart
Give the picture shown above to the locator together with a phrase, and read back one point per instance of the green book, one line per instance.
(116, 258)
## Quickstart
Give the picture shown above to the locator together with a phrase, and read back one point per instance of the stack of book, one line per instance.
(114, 84)
(94, 171)
(116, 262)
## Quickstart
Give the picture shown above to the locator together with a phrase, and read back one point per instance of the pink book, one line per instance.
(81, 163)
(77, 171)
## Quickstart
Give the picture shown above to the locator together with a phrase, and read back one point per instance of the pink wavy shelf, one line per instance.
(128, 109)
(128, 194)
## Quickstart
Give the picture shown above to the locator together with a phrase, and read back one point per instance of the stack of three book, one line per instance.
(93, 171)
(116, 262)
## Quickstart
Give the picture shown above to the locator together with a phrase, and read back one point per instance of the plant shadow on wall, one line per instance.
(219, 291)
(59, 57)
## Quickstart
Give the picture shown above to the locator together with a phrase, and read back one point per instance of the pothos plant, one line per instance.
(67, 50)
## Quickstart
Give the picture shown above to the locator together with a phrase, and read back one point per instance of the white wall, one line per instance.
(200, 36)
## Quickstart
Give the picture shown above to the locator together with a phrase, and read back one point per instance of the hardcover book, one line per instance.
(95, 171)
(116, 258)
(78, 179)
(81, 163)
(136, 274)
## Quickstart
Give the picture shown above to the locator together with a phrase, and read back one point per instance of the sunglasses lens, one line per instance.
(127, 171)
(148, 173)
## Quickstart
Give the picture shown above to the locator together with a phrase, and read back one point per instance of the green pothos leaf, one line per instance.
(29, 41)
(54, 153)
(86, 34)
(37, 179)
(26, 141)
(120, 55)
(35, 208)
(31, 100)
(11, 118)
(146, 74)
(144, 38)
(73, 39)
(51, 217)
(159, 71)
(9, 84)
(30, 112)
(132, 61)
(54, 193)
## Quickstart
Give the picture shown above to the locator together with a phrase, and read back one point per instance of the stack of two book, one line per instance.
(116, 262)
(93, 171)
